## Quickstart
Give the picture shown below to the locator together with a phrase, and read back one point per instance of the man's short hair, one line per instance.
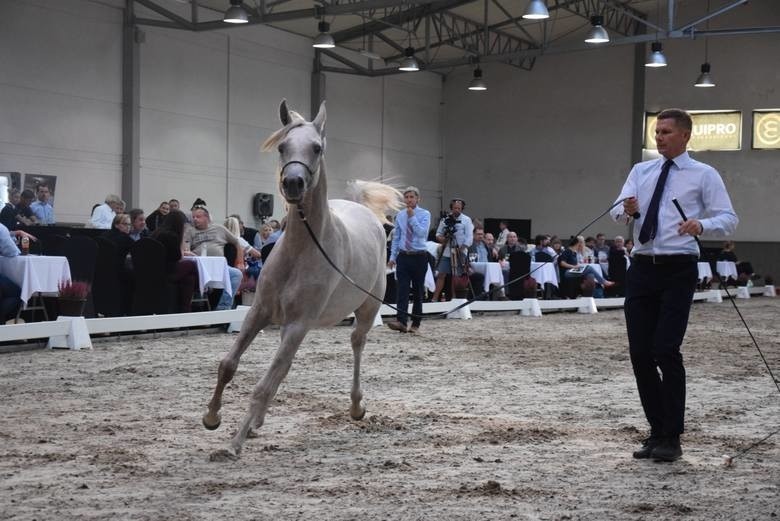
(412, 189)
(681, 118)
(41, 185)
(113, 198)
(27, 194)
(134, 213)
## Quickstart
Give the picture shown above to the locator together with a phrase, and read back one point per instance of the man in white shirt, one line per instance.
(663, 273)
(103, 215)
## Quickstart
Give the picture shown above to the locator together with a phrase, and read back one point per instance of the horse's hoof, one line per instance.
(360, 415)
(211, 423)
(223, 455)
(252, 434)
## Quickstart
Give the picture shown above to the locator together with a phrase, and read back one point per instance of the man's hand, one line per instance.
(20, 233)
(409, 211)
(253, 253)
(188, 253)
(630, 206)
(690, 227)
(391, 264)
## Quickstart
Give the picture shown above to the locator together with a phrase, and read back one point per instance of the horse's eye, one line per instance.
(317, 149)
(280, 148)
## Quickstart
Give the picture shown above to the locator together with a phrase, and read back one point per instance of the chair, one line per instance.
(265, 251)
(152, 293)
(230, 252)
(542, 256)
(569, 287)
(107, 290)
(617, 274)
(519, 266)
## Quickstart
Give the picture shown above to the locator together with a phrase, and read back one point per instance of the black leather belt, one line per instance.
(413, 252)
(664, 259)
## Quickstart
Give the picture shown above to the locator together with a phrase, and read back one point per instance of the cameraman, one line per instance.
(455, 231)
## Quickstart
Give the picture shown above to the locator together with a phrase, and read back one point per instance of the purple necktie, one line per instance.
(650, 224)
(409, 234)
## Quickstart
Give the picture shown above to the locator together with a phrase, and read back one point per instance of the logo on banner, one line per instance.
(766, 130)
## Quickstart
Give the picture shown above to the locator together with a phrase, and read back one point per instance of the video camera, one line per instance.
(449, 225)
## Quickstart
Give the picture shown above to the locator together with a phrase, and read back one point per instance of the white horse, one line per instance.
(298, 289)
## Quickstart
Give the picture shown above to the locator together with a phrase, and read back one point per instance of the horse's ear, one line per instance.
(284, 113)
(319, 121)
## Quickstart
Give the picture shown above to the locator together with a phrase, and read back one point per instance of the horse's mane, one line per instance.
(377, 197)
(296, 120)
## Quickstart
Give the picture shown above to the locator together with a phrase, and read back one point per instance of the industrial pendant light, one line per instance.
(536, 10)
(597, 33)
(324, 40)
(704, 79)
(236, 14)
(477, 83)
(656, 57)
(409, 63)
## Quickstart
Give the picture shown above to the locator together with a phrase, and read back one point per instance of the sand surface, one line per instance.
(498, 417)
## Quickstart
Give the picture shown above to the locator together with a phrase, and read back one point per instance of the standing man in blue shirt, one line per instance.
(42, 208)
(663, 273)
(409, 257)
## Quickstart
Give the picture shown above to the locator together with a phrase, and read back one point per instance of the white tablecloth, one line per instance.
(545, 272)
(705, 272)
(491, 271)
(212, 273)
(35, 274)
(726, 269)
(430, 283)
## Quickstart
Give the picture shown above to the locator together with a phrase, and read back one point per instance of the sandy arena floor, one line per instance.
(499, 417)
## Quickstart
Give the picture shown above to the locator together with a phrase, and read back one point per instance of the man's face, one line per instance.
(511, 239)
(200, 219)
(600, 240)
(479, 236)
(24, 202)
(173, 205)
(117, 207)
(489, 239)
(165, 208)
(590, 244)
(15, 199)
(546, 241)
(619, 242)
(43, 193)
(411, 199)
(670, 138)
(457, 208)
(139, 222)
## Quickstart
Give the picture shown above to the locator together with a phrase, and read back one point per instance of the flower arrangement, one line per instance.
(77, 289)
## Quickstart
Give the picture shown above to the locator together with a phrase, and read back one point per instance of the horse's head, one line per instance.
(301, 146)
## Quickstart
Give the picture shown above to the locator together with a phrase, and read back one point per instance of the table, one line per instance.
(491, 271)
(35, 273)
(545, 272)
(212, 273)
(726, 269)
(705, 272)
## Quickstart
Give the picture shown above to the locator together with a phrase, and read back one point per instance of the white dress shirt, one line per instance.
(102, 217)
(697, 187)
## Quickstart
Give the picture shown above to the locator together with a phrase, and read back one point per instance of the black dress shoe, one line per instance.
(648, 445)
(668, 450)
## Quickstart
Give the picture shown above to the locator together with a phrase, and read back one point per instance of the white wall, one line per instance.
(60, 98)
(207, 102)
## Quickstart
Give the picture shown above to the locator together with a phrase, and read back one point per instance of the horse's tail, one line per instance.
(378, 197)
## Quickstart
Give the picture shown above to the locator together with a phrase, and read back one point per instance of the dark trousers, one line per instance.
(410, 269)
(185, 277)
(658, 300)
(9, 298)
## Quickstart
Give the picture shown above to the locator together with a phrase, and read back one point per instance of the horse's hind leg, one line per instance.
(364, 321)
(265, 390)
(255, 321)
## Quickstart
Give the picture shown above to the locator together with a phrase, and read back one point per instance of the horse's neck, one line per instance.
(315, 207)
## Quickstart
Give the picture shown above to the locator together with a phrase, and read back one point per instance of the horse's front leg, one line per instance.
(364, 321)
(255, 320)
(265, 390)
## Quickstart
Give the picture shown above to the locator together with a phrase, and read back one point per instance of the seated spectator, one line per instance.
(103, 216)
(174, 204)
(206, 238)
(8, 213)
(601, 248)
(512, 245)
(119, 235)
(618, 246)
(182, 273)
(10, 292)
(542, 245)
(727, 253)
(42, 208)
(573, 267)
(249, 234)
(24, 214)
(480, 249)
(155, 218)
(557, 247)
(585, 249)
(137, 224)
(261, 239)
(629, 246)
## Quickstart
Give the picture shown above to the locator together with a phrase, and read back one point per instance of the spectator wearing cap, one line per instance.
(103, 215)
(409, 257)
(207, 238)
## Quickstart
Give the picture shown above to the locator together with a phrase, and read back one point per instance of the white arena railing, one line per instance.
(76, 332)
